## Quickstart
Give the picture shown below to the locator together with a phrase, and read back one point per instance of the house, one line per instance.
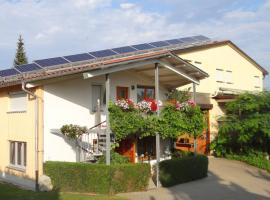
(37, 99)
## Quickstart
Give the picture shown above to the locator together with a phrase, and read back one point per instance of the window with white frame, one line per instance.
(17, 153)
(257, 82)
(220, 75)
(98, 94)
(228, 77)
(17, 101)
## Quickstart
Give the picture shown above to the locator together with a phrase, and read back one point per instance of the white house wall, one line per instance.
(69, 102)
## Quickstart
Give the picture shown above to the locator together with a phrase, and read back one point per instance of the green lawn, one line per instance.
(255, 160)
(10, 192)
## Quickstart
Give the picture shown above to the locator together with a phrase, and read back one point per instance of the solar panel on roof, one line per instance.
(79, 57)
(159, 44)
(201, 38)
(51, 62)
(103, 53)
(125, 49)
(8, 72)
(28, 67)
(174, 41)
(187, 39)
(142, 46)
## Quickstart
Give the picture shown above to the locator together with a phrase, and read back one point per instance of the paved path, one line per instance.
(230, 180)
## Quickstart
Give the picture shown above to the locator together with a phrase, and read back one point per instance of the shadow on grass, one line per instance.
(11, 192)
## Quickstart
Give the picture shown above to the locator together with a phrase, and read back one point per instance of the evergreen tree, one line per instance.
(20, 57)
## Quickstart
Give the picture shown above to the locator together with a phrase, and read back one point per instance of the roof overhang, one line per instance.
(173, 72)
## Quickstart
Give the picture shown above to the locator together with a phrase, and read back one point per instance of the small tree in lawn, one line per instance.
(20, 57)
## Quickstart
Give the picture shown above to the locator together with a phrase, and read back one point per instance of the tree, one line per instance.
(246, 125)
(20, 57)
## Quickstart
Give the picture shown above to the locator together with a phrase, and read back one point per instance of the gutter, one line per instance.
(24, 88)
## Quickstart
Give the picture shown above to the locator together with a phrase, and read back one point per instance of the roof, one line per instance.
(72, 64)
(66, 65)
(225, 42)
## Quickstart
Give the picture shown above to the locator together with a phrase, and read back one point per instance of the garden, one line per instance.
(178, 115)
(244, 132)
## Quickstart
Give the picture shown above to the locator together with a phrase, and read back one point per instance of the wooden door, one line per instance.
(127, 149)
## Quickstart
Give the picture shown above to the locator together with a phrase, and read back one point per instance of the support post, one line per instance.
(194, 99)
(158, 111)
(194, 92)
(108, 131)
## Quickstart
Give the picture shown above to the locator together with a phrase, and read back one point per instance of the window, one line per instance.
(98, 93)
(17, 102)
(257, 82)
(145, 92)
(17, 153)
(121, 93)
(219, 75)
(228, 77)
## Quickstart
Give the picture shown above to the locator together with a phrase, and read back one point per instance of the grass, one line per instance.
(255, 160)
(10, 192)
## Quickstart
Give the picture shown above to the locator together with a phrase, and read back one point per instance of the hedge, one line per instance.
(98, 178)
(185, 169)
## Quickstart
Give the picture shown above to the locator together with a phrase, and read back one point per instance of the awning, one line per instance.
(173, 72)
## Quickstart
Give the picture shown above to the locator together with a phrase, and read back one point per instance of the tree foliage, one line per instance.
(246, 125)
(20, 57)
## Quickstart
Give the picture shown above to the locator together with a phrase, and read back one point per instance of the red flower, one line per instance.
(153, 106)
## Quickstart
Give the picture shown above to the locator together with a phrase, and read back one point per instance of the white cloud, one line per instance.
(91, 4)
(239, 14)
(127, 5)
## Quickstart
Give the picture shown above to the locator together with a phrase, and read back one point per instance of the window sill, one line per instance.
(17, 111)
(17, 168)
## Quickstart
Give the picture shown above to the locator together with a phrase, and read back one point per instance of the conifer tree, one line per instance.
(20, 57)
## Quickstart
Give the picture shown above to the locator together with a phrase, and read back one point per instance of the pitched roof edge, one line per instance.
(223, 42)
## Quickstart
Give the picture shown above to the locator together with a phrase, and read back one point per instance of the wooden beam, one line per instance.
(116, 68)
(178, 71)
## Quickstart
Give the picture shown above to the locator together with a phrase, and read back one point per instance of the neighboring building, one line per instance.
(37, 99)
(231, 71)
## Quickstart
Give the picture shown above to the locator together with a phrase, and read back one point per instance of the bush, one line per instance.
(185, 169)
(246, 125)
(116, 158)
(98, 178)
(181, 154)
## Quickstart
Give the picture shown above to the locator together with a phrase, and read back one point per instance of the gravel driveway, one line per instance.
(226, 180)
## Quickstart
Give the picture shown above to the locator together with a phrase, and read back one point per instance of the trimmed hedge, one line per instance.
(185, 169)
(98, 178)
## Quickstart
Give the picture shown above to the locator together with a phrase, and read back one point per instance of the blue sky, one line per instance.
(55, 27)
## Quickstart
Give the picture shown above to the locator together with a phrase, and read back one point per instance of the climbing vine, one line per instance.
(175, 119)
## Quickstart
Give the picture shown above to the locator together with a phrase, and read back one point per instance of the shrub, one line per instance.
(130, 177)
(116, 158)
(246, 125)
(98, 178)
(180, 170)
(181, 154)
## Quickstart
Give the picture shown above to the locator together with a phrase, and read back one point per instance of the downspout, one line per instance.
(36, 134)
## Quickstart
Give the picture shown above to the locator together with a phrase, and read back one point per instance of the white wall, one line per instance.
(69, 102)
